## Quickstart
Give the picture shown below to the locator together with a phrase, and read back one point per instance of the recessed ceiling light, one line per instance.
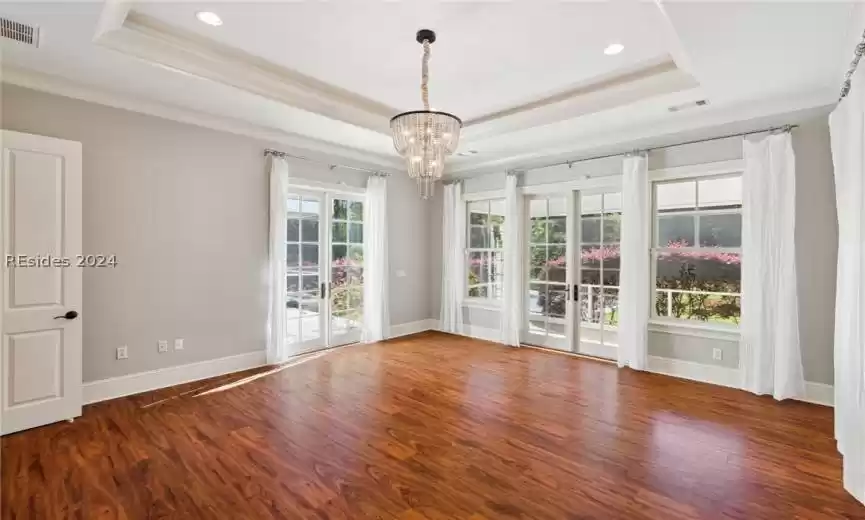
(209, 18)
(613, 49)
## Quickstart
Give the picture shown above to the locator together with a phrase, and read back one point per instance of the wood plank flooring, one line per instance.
(429, 427)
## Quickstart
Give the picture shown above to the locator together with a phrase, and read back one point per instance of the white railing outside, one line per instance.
(670, 292)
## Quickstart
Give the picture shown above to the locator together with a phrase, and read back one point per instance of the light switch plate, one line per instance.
(717, 354)
(162, 345)
(123, 352)
(178, 344)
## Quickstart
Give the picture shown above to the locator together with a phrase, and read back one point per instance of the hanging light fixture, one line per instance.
(425, 137)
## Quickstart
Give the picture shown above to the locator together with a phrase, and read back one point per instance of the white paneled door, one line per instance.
(40, 223)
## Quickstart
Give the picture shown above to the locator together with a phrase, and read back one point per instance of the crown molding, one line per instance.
(620, 88)
(63, 87)
(153, 41)
(537, 147)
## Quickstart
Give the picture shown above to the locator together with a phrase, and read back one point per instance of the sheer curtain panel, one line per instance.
(847, 129)
(771, 357)
(277, 343)
(635, 273)
(453, 259)
(376, 312)
(513, 295)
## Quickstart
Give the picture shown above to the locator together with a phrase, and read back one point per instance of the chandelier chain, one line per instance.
(424, 76)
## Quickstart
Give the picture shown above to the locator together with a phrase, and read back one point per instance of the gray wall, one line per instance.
(185, 209)
(816, 248)
(816, 243)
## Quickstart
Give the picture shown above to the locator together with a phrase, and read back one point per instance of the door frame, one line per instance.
(326, 193)
(574, 189)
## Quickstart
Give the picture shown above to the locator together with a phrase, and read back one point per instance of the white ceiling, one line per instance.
(529, 78)
(370, 48)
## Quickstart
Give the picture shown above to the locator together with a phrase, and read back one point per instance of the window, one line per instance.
(696, 251)
(600, 232)
(484, 255)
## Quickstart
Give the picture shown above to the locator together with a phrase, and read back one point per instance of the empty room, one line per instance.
(392, 259)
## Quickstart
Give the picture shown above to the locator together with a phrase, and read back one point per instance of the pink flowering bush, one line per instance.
(702, 272)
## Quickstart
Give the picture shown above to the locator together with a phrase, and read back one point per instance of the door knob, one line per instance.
(71, 315)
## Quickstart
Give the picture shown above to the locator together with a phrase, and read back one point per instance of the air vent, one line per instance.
(23, 33)
(692, 104)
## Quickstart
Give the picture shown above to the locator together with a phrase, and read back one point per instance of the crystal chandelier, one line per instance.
(425, 137)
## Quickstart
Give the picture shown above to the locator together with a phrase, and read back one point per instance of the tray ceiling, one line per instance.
(529, 78)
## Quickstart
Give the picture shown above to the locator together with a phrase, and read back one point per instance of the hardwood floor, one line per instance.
(432, 426)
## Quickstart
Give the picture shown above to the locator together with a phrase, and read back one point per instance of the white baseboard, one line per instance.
(412, 327)
(819, 393)
(95, 391)
(483, 333)
(816, 393)
(131, 384)
(716, 375)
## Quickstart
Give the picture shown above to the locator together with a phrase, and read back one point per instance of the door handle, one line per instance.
(71, 315)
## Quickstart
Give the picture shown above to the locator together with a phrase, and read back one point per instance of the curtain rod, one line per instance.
(848, 76)
(784, 128)
(332, 166)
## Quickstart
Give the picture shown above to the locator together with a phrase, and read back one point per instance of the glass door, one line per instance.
(324, 270)
(305, 276)
(572, 281)
(346, 275)
(600, 216)
(548, 307)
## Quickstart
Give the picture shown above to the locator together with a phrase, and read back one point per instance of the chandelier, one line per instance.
(425, 137)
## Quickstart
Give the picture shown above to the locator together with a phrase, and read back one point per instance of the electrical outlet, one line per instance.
(717, 354)
(122, 352)
(178, 344)
(162, 346)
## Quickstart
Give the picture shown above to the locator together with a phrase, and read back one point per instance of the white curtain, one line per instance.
(513, 296)
(453, 259)
(277, 344)
(376, 313)
(635, 278)
(771, 357)
(847, 126)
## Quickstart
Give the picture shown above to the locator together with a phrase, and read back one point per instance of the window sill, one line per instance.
(700, 330)
(480, 303)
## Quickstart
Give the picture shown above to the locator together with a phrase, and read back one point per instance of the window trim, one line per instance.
(696, 172)
(697, 329)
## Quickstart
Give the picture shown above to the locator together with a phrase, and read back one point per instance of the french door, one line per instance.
(324, 269)
(549, 304)
(572, 281)
(600, 216)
